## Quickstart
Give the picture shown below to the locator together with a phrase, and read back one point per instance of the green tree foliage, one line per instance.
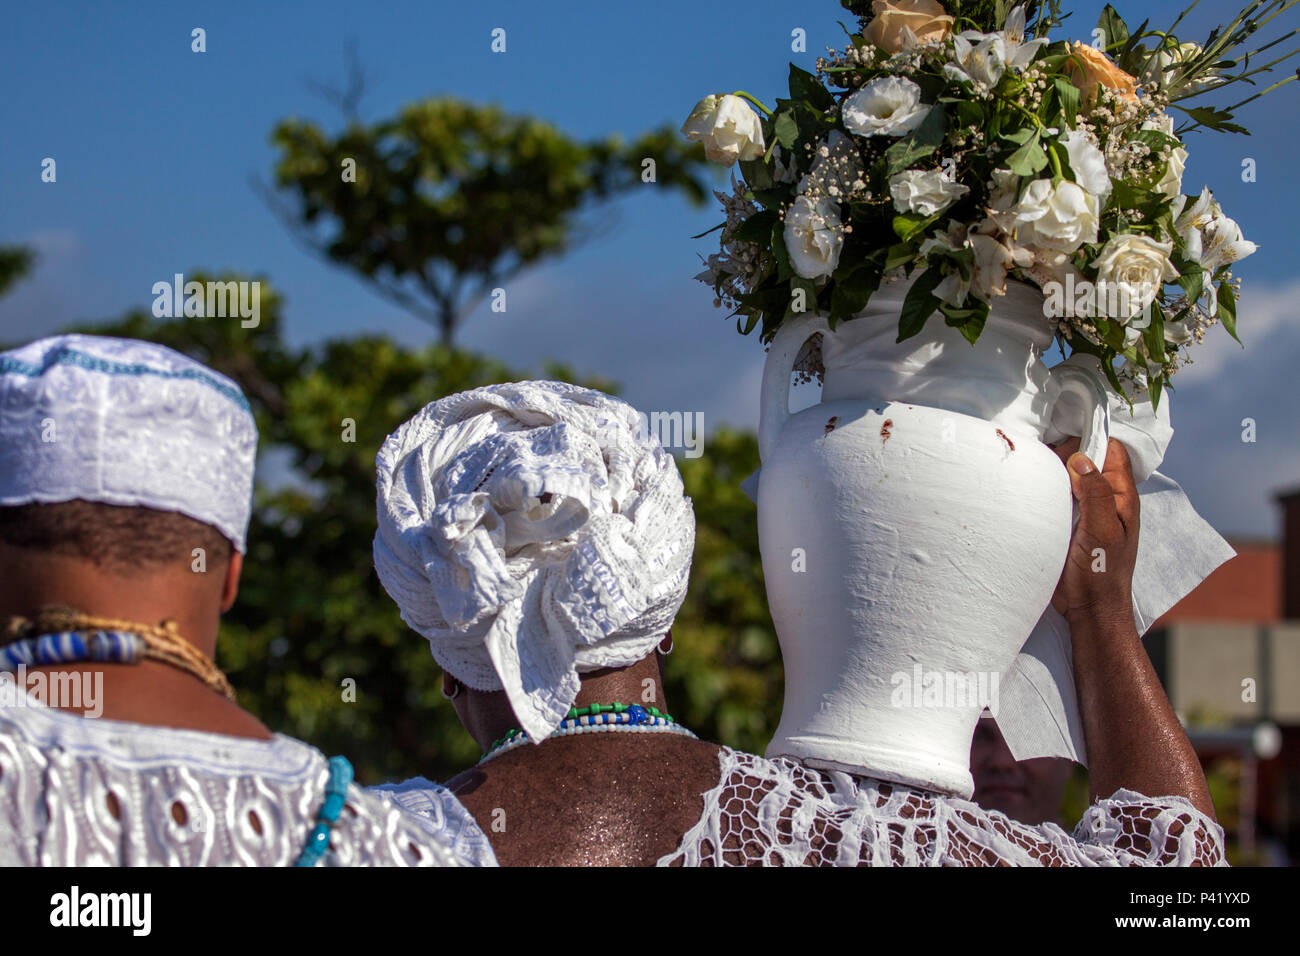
(312, 615)
(15, 262)
(451, 200)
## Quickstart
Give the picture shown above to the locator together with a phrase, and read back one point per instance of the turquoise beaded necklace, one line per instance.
(598, 718)
(336, 791)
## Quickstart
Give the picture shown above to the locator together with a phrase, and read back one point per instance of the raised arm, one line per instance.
(1134, 739)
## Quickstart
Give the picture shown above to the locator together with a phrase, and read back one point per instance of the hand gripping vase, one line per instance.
(913, 528)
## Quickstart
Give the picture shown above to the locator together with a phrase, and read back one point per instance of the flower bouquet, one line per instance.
(1028, 190)
(962, 146)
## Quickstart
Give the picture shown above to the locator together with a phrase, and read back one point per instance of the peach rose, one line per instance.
(1090, 69)
(925, 18)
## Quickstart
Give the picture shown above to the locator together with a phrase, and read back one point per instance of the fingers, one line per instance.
(1064, 449)
(1098, 516)
(1119, 473)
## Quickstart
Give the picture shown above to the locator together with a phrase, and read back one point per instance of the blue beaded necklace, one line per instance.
(336, 791)
(598, 718)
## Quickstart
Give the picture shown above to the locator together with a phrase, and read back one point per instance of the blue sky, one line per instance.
(156, 147)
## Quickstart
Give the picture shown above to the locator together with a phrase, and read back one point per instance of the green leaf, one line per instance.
(772, 199)
(1213, 118)
(786, 129)
(969, 321)
(1155, 385)
(1154, 334)
(805, 86)
(757, 227)
(909, 224)
(1193, 283)
(918, 144)
(1228, 309)
(784, 270)
(1068, 94)
(1114, 32)
(897, 255)
(851, 292)
(721, 225)
(920, 304)
(1028, 159)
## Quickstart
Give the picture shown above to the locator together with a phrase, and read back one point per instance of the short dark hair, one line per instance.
(122, 539)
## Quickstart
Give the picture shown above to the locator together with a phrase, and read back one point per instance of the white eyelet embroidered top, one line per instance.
(780, 813)
(76, 791)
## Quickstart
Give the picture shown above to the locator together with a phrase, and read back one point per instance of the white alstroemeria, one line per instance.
(1131, 271)
(1019, 53)
(1224, 243)
(886, 106)
(1178, 333)
(1190, 222)
(1088, 163)
(953, 287)
(995, 255)
(728, 127)
(980, 59)
(813, 236)
(1001, 207)
(924, 192)
(1060, 218)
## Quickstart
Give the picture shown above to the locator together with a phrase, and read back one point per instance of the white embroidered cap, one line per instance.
(125, 422)
(531, 531)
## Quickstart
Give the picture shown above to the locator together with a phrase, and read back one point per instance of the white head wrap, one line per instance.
(517, 594)
(125, 422)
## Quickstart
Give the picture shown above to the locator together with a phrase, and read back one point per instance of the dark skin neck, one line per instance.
(590, 800)
(151, 692)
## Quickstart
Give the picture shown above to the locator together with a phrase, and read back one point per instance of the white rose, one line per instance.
(979, 59)
(887, 106)
(728, 127)
(813, 237)
(1130, 272)
(1087, 163)
(925, 192)
(1060, 218)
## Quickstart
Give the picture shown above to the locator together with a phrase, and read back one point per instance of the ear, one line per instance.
(230, 588)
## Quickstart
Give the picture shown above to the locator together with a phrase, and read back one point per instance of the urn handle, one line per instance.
(774, 401)
(1085, 388)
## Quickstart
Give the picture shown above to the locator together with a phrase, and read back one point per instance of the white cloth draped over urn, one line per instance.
(914, 524)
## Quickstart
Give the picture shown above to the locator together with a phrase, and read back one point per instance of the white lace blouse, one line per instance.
(779, 813)
(83, 792)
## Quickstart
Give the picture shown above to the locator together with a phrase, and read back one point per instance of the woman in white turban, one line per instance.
(541, 541)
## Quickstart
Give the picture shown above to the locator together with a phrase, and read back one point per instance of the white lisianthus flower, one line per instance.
(1019, 53)
(813, 237)
(728, 127)
(1131, 271)
(887, 106)
(1060, 218)
(1088, 163)
(980, 59)
(924, 192)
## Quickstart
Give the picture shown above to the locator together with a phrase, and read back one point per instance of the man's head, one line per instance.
(1026, 790)
(126, 476)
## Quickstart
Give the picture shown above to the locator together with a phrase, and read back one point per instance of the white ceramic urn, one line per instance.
(913, 527)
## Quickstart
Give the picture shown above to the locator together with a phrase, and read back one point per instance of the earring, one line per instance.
(455, 689)
(665, 653)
